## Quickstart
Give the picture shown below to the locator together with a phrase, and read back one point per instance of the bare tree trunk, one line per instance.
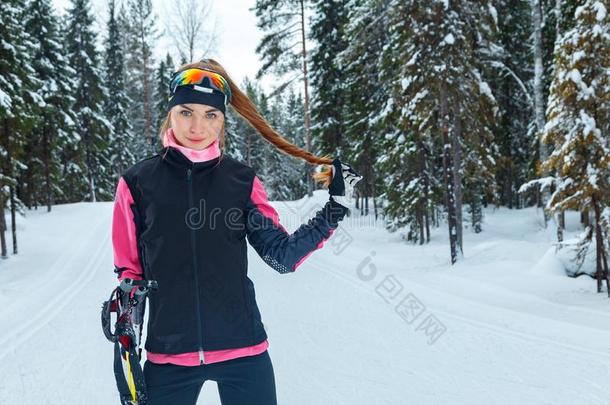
(538, 93)
(508, 188)
(9, 172)
(46, 157)
(13, 219)
(601, 265)
(361, 198)
(606, 275)
(448, 173)
(456, 145)
(148, 132)
(306, 104)
(3, 228)
(90, 176)
(28, 194)
(423, 167)
(419, 217)
(584, 218)
(426, 191)
(373, 192)
(427, 217)
(561, 225)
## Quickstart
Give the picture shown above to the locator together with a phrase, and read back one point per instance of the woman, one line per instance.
(181, 218)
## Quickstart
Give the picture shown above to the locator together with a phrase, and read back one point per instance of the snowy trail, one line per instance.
(520, 366)
(516, 333)
(51, 334)
(55, 289)
(509, 329)
(511, 322)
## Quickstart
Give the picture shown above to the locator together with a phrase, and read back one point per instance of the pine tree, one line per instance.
(434, 58)
(232, 138)
(479, 114)
(54, 118)
(283, 174)
(327, 78)
(162, 76)
(141, 34)
(364, 95)
(260, 147)
(557, 19)
(407, 156)
(293, 129)
(19, 103)
(579, 124)
(246, 140)
(513, 73)
(283, 50)
(87, 160)
(274, 160)
(117, 105)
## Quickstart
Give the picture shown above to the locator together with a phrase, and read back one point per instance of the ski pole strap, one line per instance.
(121, 303)
(108, 307)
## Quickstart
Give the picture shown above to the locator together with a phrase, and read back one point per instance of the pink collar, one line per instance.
(210, 152)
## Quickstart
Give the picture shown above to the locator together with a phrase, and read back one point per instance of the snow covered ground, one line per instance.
(366, 320)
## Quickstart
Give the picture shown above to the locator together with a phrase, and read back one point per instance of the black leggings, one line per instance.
(245, 380)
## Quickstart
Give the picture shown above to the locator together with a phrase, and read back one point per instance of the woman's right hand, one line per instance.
(343, 182)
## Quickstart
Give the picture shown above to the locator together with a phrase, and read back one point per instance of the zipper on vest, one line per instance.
(195, 267)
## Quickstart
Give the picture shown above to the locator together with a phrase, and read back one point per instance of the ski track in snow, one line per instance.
(57, 290)
(333, 338)
(503, 331)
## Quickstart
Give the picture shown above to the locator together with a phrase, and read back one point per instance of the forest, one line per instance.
(445, 107)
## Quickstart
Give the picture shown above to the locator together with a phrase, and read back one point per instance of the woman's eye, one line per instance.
(185, 113)
(211, 115)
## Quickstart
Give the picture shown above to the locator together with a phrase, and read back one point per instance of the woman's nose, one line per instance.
(197, 123)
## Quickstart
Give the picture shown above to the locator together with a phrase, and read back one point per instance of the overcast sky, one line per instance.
(237, 34)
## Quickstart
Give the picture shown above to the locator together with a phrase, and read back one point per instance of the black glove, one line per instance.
(341, 187)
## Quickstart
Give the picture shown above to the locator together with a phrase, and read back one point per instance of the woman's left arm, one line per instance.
(281, 250)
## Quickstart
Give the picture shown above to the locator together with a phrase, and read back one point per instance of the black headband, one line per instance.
(200, 86)
(196, 94)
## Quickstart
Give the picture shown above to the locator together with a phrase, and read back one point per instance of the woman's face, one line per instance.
(196, 126)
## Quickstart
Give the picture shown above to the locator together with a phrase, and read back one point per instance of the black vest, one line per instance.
(190, 226)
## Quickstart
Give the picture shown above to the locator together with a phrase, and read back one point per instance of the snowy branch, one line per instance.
(517, 79)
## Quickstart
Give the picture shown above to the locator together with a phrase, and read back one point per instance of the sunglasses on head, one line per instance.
(203, 77)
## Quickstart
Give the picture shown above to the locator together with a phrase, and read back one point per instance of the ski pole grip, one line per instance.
(141, 290)
(127, 284)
